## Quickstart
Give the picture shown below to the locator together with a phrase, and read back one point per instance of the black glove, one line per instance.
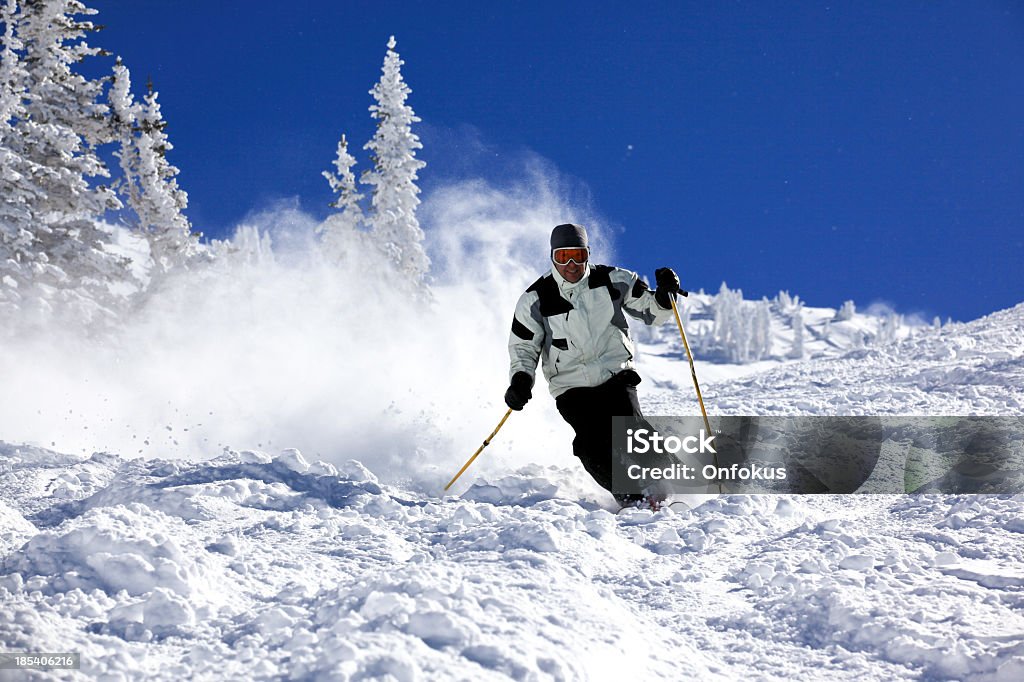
(519, 391)
(668, 283)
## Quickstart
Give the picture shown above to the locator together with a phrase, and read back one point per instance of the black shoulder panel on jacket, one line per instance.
(551, 301)
(639, 288)
(600, 276)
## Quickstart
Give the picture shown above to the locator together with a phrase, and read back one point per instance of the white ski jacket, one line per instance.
(579, 328)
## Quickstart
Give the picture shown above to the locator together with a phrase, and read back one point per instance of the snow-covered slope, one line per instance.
(972, 368)
(251, 566)
(723, 326)
(248, 567)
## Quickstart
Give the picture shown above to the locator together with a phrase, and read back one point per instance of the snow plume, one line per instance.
(272, 347)
(886, 310)
(880, 309)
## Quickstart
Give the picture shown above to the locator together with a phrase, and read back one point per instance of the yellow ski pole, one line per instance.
(693, 373)
(487, 441)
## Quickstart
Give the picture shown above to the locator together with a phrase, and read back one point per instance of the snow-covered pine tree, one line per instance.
(727, 329)
(340, 232)
(19, 260)
(64, 121)
(763, 329)
(124, 120)
(150, 182)
(846, 312)
(786, 304)
(741, 329)
(888, 327)
(393, 178)
(160, 208)
(124, 117)
(797, 324)
(10, 64)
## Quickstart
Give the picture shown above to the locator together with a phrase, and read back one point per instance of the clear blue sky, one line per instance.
(864, 150)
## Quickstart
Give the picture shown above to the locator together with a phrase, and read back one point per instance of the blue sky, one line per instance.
(858, 150)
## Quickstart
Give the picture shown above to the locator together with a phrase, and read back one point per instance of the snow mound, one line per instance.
(14, 529)
(124, 548)
(527, 486)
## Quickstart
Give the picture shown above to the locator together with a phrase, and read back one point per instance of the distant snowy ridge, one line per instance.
(725, 328)
(974, 368)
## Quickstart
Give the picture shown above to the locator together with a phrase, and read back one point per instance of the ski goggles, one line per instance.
(578, 255)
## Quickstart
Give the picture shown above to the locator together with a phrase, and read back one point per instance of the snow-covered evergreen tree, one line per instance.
(343, 182)
(846, 312)
(762, 344)
(786, 304)
(12, 69)
(124, 111)
(741, 329)
(62, 123)
(150, 181)
(797, 325)
(726, 328)
(888, 327)
(393, 178)
(340, 232)
(162, 202)
(19, 261)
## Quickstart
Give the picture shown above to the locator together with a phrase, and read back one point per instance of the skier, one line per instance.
(572, 317)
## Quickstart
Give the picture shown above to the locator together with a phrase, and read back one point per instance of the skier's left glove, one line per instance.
(668, 285)
(519, 391)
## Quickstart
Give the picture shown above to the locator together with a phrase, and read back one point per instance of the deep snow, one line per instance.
(252, 567)
(259, 566)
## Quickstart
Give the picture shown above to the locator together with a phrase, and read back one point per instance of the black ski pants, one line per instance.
(589, 411)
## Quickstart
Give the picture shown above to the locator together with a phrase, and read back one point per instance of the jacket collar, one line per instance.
(566, 285)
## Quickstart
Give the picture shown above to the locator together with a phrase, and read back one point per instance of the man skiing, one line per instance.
(572, 318)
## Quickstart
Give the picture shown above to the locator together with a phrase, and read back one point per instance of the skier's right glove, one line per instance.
(519, 391)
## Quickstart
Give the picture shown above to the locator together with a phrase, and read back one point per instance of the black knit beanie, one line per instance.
(568, 236)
